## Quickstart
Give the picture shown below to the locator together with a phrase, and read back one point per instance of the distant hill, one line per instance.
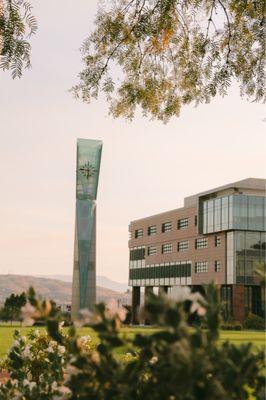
(101, 280)
(54, 289)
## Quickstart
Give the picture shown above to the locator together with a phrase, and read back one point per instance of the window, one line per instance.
(182, 246)
(201, 243)
(182, 223)
(201, 266)
(152, 250)
(167, 248)
(152, 230)
(166, 226)
(217, 241)
(137, 253)
(196, 220)
(217, 266)
(138, 233)
(160, 271)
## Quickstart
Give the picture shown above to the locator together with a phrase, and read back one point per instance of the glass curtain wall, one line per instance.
(250, 250)
(238, 212)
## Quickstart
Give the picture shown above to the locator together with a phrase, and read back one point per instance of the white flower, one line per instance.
(15, 343)
(54, 385)
(85, 339)
(32, 385)
(50, 349)
(26, 353)
(61, 324)
(61, 349)
(64, 390)
(153, 360)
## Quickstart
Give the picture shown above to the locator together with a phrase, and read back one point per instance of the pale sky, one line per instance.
(147, 167)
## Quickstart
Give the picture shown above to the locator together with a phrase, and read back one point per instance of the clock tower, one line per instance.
(84, 271)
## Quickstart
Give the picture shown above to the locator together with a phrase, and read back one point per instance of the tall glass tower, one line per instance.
(84, 271)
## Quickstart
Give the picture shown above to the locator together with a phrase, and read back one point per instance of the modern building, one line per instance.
(217, 236)
(84, 271)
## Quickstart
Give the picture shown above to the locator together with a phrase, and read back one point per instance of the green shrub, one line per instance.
(231, 327)
(254, 322)
(174, 363)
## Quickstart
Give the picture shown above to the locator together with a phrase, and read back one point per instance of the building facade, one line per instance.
(84, 269)
(218, 236)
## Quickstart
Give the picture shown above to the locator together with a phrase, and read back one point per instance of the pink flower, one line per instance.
(114, 309)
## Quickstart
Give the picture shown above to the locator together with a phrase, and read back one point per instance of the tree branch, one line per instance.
(229, 30)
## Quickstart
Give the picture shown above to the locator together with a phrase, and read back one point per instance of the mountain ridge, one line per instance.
(54, 289)
(101, 280)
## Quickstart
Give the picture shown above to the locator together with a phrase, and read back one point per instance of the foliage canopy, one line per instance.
(12, 307)
(172, 52)
(156, 54)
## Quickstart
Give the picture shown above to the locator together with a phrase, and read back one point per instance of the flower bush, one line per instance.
(176, 362)
(36, 367)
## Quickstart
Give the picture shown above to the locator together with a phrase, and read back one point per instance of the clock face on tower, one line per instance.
(87, 170)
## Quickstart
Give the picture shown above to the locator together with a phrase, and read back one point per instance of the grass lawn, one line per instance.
(237, 337)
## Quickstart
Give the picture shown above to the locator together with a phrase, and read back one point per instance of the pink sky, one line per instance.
(147, 167)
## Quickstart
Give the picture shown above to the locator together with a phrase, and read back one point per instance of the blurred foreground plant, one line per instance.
(176, 362)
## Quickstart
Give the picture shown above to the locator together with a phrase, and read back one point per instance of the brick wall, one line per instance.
(209, 254)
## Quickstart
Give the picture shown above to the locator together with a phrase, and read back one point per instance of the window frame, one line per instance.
(217, 241)
(201, 243)
(201, 267)
(217, 266)
(136, 233)
(183, 245)
(182, 223)
(166, 250)
(166, 226)
(153, 253)
(151, 231)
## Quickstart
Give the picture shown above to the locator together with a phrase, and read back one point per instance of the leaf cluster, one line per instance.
(17, 24)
